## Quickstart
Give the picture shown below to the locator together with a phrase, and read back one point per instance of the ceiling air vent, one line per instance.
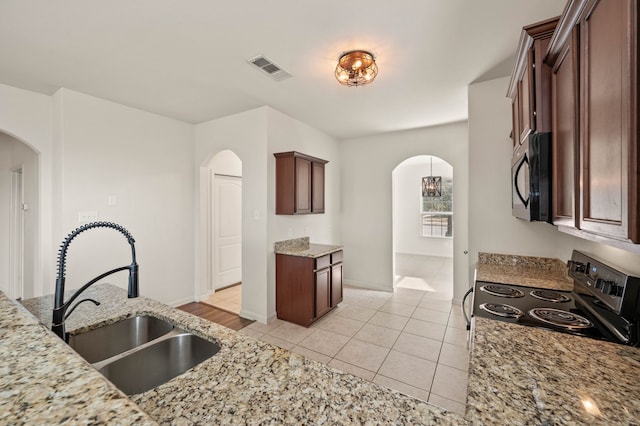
(269, 67)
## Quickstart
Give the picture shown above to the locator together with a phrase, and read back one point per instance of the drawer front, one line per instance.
(336, 257)
(323, 261)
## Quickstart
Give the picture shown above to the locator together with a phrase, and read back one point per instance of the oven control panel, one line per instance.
(616, 289)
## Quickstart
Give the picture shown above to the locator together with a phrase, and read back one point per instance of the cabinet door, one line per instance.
(317, 188)
(336, 284)
(323, 292)
(295, 289)
(515, 117)
(525, 95)
(303, 185)
(565, 143)
(605, 50)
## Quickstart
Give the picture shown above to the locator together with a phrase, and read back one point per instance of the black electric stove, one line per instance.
(603, 305)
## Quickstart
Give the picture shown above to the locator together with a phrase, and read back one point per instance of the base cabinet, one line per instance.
(307, 288)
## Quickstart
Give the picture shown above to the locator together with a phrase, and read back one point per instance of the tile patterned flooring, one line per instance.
(412, 340)
(228, 299)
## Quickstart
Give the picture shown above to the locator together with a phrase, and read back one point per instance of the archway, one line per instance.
(19, 218)
(223, 255)
(423, 226)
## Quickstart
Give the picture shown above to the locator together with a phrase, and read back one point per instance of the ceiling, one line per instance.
(188, 59)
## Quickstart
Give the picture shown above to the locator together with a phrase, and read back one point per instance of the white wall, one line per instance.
(246, 135)
(367, 164)
(226, 163)
(492, 228)
(407, 202)
(26, 116)
(146, 162)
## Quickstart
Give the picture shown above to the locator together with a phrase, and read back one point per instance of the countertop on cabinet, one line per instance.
(526, 271)
(524, 375)
(247, 381)
(302, 247)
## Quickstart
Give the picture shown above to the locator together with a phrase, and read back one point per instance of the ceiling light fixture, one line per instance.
(356, 68)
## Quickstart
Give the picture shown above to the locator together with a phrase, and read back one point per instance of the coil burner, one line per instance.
(560, 318)
(550, 296)
(502, 310)
(502, 290)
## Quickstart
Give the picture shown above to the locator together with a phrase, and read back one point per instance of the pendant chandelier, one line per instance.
(432, 185)
(356, 68)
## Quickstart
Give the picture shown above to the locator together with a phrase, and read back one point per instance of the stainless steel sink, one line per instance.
(108, 341)
(157, 363)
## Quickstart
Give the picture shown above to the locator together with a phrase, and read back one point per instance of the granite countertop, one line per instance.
(302, 247)
(522, 375)
(525, 375)
(526, 271)
(42, 381)
(247, 381)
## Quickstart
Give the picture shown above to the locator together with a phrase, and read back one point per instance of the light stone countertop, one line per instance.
(522, 375)
(526, 271)
(247, 381)
(302, 247)
(532, 376)
(518, 375)
(42, 381)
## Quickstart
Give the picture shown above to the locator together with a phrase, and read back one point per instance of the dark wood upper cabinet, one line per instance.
(607, 141)
(302, 183)
(565, 141)
(299, 183)
(594, 58)
(317, 193)
(530, 85)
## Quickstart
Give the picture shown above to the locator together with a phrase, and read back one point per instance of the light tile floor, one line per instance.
(228, 299)
(412, 340)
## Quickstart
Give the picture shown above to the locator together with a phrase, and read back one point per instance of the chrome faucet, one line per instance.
(60, 313)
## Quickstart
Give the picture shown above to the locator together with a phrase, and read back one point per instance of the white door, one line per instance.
(227, 230)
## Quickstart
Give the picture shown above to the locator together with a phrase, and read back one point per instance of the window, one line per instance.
(437, 212)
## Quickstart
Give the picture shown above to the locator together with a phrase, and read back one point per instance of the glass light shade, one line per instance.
(356, 68)
(432, 186)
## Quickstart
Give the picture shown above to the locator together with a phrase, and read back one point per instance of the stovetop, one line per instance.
(541, 308)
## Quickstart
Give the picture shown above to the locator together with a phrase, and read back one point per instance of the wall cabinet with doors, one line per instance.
(594, 55)
(565, 142)
(307, 287)
(529, 88)
(299, 183)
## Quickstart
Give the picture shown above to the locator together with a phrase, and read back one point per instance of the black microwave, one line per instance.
(531, 179)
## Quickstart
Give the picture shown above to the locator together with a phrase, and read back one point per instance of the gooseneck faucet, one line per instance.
(60, 313)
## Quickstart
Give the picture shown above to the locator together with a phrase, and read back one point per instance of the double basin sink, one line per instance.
(141, 353)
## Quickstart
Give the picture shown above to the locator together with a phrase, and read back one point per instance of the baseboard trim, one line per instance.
(244, 313)
(368, 285)
(180, 302)
(426, 254)
(202, 297)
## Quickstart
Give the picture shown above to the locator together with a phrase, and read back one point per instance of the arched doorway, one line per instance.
(19, 217)
(223, 258)
(423, 226)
